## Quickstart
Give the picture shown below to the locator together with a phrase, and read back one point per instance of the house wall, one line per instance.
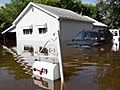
(35, 19)
(69, 29)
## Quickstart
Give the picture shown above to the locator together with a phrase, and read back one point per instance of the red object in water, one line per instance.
(39, 79)
(40, 71)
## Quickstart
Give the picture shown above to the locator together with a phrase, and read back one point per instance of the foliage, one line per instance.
(89, 10)
(73, 5)
(9, 12)
(110, 11)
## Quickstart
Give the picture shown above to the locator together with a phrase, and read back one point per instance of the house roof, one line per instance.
(58, 13)
(64, 13)
(9, 29)
(95, 22)
(55, 12)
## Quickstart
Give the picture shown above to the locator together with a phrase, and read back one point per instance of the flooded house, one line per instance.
(40, 23)
(38, 29)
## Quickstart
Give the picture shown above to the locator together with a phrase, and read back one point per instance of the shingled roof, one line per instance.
(64, 13)
(56, 12)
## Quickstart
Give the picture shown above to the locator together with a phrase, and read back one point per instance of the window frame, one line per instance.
(42, 30)
(27, 31)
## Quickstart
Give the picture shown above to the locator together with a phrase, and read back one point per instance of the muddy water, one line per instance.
(96, 68)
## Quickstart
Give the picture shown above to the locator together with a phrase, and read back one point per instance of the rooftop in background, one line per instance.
(96, 23)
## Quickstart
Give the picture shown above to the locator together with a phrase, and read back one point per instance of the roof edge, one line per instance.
(28, 7)
(11, 27)
(64, 18)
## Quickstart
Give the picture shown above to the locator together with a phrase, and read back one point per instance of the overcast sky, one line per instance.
(2, 2)
(90, 1)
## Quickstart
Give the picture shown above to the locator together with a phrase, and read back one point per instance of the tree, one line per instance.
(110, 9)
(89, 10)
(99, 16)
(74, 5)
(9, 12)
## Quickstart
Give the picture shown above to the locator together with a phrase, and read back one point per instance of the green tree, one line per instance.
(9, 12)
(74, 5)
(110, 9)
(89, 10)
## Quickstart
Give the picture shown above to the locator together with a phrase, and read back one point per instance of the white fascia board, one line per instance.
(46, 11)
(96, 23)
(99, 24)
(8, 29)
(27, 8)
(21, 14)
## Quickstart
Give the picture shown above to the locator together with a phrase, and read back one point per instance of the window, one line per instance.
(29, 49)
(42, 30)
(44, 50)
(27, 31)
(86, 35)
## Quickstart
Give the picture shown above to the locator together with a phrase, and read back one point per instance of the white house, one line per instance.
(38, 22)
(96, 24)
(45, 25)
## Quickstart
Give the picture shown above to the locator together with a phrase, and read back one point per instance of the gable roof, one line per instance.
(55, 12)
(95, 22)
(64, 13)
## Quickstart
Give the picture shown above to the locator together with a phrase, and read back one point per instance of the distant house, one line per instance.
(96, 24)
(39, 22)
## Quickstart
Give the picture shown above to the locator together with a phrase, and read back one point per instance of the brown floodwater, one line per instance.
(95, 68)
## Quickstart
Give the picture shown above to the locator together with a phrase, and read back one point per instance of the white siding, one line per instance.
(36, 18)
(69, 29)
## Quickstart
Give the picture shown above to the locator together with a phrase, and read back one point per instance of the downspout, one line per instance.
(59, 55)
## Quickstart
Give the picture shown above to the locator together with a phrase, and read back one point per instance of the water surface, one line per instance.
(96, 68)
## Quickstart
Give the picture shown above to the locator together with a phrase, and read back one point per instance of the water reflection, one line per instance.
(108, 78)
(24, 55)
(8, 63)
(46, 83)
(115, 46)
(12, 76)
(96, 68)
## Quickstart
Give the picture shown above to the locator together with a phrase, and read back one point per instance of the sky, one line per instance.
(90, 1)
(2, 2)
